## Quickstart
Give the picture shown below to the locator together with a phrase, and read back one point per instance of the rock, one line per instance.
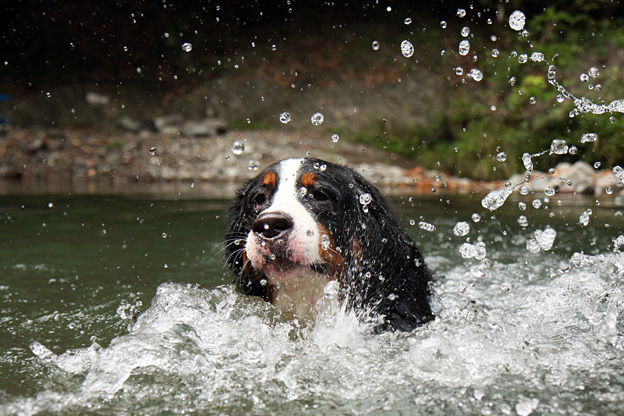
(580, 176)
(203, 128)
(129, 124)
(94, 98)
(169, 124)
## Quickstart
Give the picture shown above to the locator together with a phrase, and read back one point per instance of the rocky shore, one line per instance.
(73, 160)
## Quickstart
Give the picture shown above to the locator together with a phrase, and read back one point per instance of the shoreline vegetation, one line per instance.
(86, 105)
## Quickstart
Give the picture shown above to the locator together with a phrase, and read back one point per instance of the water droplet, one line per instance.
(423, 225)
(589, 137)
(524, 190)
(584, 77)
(522, 206)
(407, 21)
(164, 235)
(459, 71)
(536, 203)
(475, 217)
(593, 72)
(325, 242)
(495, 53)
(238, 147)
(552, 72)
(475, 74)
(375, 45)
(335, 138)
(501, 156)
(532, 100)
(549, 191)
(517, 20)
(545, 238)
(443, 24)
(464, 47)
(152, 151)
(461, 13)
(495, 199)
(523, 221)
(253, 165)
(187, 47)
(461, 229)
(285, 117)
(537, 57)
(618, 171)
(317, 119)
(522, 58)
(465, 31)
(560, 98)
(559, 147)
(407, 49)
(365, 199)
(597, 165)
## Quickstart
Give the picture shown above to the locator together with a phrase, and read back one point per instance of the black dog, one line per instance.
(304, 222)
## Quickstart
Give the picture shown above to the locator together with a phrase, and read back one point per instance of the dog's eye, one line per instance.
(259, 200)
(318, 195)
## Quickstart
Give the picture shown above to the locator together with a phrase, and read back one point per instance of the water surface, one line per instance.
(103, 314)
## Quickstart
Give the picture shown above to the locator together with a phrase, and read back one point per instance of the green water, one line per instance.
(78, 270)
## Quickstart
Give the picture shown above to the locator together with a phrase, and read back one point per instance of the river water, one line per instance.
(102, 314)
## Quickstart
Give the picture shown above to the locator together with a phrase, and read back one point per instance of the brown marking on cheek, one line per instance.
(269, 180)
(331, 256)
(357, 249)
(308, 179)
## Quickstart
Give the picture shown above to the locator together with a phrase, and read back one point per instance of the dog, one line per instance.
(302, 223)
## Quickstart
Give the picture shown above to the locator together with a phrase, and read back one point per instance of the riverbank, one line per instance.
(117, 161)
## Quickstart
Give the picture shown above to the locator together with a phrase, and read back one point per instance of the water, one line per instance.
(103, 316)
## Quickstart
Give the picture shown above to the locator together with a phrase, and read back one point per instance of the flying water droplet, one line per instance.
(495, 199)
(407, 21)
(407, 49)
(423, 225)
(589, 137)
(253, 165)
(335, 138)
(152, 151)
(464, 47)
(593, 72)
(443, 24)
(517, 20)
(475, 74)
(187, 47)
(375, 45)
(559, 147)
(317, 119)
(537, 57)
(238, 147)
(461, 229)
(461, 13)
(545, 238)
(549, 191)
(465, 31)
(501, 156)
(523, 221)
(285, 118)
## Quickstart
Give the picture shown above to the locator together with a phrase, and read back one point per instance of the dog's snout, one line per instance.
(271, 225)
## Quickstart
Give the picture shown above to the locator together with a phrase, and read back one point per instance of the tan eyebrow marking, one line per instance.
(269, 180)
(308, 179)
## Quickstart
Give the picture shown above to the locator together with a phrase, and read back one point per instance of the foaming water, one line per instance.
(538, 333)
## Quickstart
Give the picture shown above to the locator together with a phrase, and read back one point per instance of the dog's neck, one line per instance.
(300, 293)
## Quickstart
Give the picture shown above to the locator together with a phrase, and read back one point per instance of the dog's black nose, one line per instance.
(271, 225)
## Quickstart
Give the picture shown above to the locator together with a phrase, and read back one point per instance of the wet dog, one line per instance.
(302, 223)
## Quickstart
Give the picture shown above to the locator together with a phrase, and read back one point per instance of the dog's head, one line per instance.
(303, 222)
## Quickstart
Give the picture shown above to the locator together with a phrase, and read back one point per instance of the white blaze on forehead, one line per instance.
(286, 200)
